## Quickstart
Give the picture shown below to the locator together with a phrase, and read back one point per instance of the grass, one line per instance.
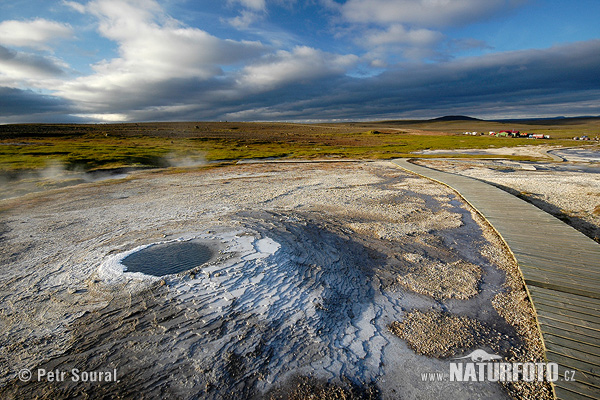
(95, 147)
(83, 154)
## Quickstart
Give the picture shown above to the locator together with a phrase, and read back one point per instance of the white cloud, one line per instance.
(153, 49)
(252, 11)
(424, 13)
(302, 65)
(244, 20)
(164, 67)
(37, 33)
(251, 4)
(80, 8)
(394, 30)
(397, 42)
(397, 34)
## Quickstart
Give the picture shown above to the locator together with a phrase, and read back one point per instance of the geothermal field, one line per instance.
(268, 279)
(310, 266)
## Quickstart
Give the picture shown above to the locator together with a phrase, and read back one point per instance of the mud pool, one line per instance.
(167, 258)
(301, 272)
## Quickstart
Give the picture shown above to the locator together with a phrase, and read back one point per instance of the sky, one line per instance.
(297, 60)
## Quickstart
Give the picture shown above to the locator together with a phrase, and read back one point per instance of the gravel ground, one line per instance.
(538, 151)
(316, 268)
(569, 191)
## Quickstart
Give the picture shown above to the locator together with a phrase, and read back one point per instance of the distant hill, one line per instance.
(455, 118)
(447, 118)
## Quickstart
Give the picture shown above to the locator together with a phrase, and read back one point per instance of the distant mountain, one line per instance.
(455, 118)
(559, 120)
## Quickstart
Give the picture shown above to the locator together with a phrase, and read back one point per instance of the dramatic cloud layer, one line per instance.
(120, 60)
(156, 54)
(520, 83)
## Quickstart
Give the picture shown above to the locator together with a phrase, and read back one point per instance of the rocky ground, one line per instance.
(334, 280)
(539, 151)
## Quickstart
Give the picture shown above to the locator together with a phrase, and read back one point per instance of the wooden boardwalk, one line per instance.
(561, 268)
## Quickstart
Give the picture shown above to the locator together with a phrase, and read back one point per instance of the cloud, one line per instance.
(257, 5)
(397, 34)
(302, 65)
(252, 11)
(545, 82)
(37, 33)
(468, 44)
(520, 82)
(17, 102)
(412, 29)
(244, 20)
(309, 84)
(397, 42)
(16, 67)
(153, 49)
(424, 13)
(166, 70)
(80, 8)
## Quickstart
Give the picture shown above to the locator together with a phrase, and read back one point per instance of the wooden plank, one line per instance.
(545, 258)
(557, 318)
(568, 270)
(567, 326)
(574, 391)
(559, 305)
(567, 374)
(561, 287)
(571, 344)
(591, 319)
(539, 240)
(554, 263)
(561, 284)
(571, 334)
(568, 280)
(585, 303)
(579, 301)
(572, 363)
(587, 377)
(593, 359)
(579, 387)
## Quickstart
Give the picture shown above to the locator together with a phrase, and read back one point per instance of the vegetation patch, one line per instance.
(153, 145)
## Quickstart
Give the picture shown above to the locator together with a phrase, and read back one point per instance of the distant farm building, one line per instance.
(514, 133)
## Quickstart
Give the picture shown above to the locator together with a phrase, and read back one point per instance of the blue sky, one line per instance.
(296, 60)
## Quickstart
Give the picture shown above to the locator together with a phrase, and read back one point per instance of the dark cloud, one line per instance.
(18, 105)
(560, 80)
(28, 63)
